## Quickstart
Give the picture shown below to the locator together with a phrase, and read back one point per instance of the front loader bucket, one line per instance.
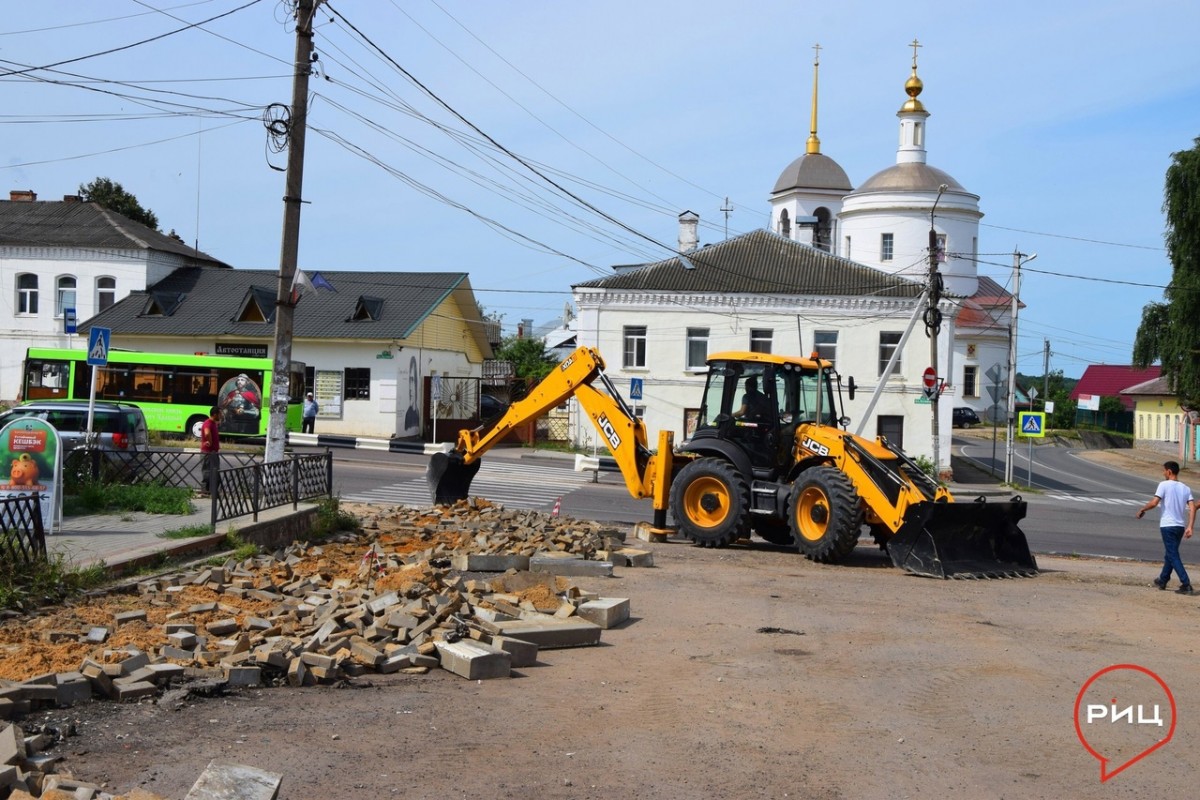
(450, 477)
(963, 540)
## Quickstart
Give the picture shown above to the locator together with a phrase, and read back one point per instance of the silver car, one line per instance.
(119, 427)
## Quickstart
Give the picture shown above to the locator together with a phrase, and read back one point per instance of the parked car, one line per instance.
(120, 427)
(965, 417)
(491, 407)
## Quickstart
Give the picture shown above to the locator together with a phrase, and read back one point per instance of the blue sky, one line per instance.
(1062, 117)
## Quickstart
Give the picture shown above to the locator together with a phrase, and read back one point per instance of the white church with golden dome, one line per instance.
(885, 223)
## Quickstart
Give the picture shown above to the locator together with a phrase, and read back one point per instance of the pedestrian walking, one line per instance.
(210, 447)
(309, 416)
(1178, 515)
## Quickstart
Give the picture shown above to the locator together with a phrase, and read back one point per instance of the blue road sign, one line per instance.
(1032, 423)
(635, 388)
(97, 351)
(69, 320)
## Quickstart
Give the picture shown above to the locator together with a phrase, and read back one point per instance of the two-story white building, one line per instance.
(63, 262)
(657, 323)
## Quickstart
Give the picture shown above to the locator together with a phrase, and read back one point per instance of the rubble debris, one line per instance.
(412, 590)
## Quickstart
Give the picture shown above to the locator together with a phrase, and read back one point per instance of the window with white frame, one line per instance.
(635, 347)
(697, 348)
(970, 385)
(846, 254)
(106, 292)
(64, 296)
(886, 245)
(27, 293)
(760, 340)
(888, 342)
(825, 343)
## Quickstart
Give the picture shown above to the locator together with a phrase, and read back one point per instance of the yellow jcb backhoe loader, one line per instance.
(768, 456)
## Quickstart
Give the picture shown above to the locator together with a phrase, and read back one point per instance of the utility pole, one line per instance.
(289, 249)
(933, 326)
(1012, 363)
(727, 208)
(1045, 370)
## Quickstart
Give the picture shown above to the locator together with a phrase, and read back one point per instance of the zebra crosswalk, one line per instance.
(508, 483)
(1113, 501)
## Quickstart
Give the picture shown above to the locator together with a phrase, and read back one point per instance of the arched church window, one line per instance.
(823, 235)
(785, 224)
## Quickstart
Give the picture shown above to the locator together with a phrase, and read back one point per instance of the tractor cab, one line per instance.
(757, 400)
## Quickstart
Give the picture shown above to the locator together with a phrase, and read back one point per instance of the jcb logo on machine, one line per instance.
(610, 433)
(815, 446)
(567, 363)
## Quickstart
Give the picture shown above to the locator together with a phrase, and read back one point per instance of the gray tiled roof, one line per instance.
(213, 300)
(60, 223)
(760, 262)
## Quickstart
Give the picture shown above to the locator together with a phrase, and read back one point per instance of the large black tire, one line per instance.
(711, 503)
(825, 514)
(772, 529)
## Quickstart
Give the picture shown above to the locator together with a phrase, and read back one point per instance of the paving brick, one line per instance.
(129, 616)
(489, 562)
(521, 652)
(97, 634)
(573, 566)
(12, 744)
(132, 691)
(474, 660)
(607, 612)
(235, 782)
(550, 633)
(243, 676)
(223, 627)
(73, 687)
(178, 626)
(637, 558)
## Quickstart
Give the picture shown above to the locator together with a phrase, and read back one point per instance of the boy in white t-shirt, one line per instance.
(1178, 514)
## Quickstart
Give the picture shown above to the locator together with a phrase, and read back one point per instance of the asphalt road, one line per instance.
(1076, 506)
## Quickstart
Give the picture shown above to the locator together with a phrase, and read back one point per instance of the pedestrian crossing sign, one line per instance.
(1033, 423)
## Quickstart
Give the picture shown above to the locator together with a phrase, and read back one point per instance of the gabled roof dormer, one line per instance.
(258, 305)
(367, 309)
(161, 303)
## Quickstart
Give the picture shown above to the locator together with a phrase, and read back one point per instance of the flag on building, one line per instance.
(301, 285)
(321, 282)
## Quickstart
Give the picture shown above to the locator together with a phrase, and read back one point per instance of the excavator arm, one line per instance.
(646, 473)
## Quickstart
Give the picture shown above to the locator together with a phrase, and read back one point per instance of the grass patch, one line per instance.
(46, 581)
(332, 519)
(186, 532)
(93, 497)
(241, 549)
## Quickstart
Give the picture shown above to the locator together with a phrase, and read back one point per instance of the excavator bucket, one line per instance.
(450, 477)
(963, 540)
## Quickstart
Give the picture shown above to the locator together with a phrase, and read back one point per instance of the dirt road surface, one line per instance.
(747, 672)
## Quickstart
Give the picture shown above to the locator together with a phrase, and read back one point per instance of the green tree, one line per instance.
(1169, 331)
(528, 357)
(112, 195)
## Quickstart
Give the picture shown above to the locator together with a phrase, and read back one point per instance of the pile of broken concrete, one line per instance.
(474, 589)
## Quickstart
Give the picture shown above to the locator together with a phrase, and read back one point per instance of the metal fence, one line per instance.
(243, 484)
(22, 536)
(255, 487)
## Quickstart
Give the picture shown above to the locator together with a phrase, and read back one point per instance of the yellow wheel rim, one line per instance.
(706, 502)
(812, 514)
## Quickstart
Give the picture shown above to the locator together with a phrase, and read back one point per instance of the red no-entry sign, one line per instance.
(930, 379)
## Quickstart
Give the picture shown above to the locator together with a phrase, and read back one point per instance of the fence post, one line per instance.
(295, 468)
(257, 491)
(214, 484)
(328, 472)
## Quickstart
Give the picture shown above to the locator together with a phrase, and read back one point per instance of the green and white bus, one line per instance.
(175, 391)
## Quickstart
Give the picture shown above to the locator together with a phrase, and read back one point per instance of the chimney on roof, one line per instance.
(689, 239)
(22, 195)
(72, 198)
